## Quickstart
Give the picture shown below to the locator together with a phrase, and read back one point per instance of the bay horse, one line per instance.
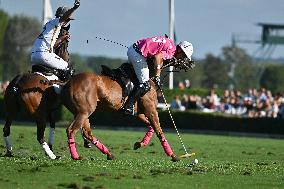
(86, 91)
(33, 92)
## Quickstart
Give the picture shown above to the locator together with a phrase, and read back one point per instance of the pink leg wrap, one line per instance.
(148, 136)
(72, 148)
(100, 146)
(168, 150)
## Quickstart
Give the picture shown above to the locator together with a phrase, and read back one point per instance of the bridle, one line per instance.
(179, 64)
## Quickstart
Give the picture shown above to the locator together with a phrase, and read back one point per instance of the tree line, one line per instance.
(234, 68)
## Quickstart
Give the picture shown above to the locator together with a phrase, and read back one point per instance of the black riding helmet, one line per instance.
(60, 12)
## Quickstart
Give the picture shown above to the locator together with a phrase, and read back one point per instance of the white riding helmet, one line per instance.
(187, 48)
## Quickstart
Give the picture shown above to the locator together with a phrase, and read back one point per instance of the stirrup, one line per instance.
(128, 111)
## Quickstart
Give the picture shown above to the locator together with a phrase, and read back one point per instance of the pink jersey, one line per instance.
(154, 45)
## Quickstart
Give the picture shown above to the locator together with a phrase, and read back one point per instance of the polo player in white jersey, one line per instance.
(42, 51)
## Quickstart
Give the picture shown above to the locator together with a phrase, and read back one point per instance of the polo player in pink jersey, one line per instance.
(160, 48)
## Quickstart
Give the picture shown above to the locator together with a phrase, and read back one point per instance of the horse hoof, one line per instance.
(137, 145)
(58, 157)
(87, 145)
(110, 157)
(78, 158)
(9, 154)
(175, 158)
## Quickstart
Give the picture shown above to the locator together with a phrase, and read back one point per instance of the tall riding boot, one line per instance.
(138, 92)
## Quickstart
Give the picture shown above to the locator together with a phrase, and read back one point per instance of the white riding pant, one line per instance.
(139, 64)
(48, 59)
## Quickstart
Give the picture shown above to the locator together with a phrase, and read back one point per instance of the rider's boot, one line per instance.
(65, 75)
(138, 92)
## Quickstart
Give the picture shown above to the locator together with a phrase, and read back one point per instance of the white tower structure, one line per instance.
(47, 13)
(172, 26)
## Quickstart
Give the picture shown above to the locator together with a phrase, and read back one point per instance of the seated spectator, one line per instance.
(189, 102)
(187, 83)
(181, 85)
(185, 101)
(176, 104)
(262, 95)
(161, 102)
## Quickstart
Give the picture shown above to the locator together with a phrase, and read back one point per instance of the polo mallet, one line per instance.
(186, 155)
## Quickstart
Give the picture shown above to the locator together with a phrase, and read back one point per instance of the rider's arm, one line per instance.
(61, 40)
(158, 63)
(68, 13)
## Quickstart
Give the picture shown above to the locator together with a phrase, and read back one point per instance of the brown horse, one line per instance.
(33, 92)
(87, 91)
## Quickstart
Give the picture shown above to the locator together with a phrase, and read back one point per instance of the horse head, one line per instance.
(179, 64)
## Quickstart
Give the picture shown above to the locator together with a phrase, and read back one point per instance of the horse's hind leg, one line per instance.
(11, 108)
(6, 134)
(87, 143)
(51, 134)
(145, 141)
(152, 115)
(88, 135)
(40, 136)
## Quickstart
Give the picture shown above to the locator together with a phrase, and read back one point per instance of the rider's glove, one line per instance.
(157, 81)
(76, 4)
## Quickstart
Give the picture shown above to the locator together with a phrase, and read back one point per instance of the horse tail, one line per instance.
(11, 97)
(13, 86)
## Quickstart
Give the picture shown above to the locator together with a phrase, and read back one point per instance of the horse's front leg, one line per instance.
(152, 115)
(41, 123)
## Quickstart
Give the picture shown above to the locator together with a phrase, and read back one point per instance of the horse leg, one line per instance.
(11, 109)
(145, 141)
(152, 115)
(71, 131)
(87, 144)
(6, 134)
(40, 136)
(86, 130)
(51, 130)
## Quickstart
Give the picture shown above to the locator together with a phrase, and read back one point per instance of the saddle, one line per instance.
(48, 71)
(124, 76)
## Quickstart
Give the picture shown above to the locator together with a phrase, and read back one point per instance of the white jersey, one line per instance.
(48, 36)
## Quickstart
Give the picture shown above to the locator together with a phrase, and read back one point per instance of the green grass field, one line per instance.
(224, 162)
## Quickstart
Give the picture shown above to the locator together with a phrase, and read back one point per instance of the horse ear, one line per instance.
(166, 36)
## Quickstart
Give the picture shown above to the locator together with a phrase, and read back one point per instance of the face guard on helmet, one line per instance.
(186, 62)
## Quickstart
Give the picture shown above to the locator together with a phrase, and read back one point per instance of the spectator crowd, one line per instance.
(253, 103)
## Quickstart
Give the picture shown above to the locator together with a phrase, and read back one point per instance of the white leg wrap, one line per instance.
(8, 143)
(48, 151)
(51, 136)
